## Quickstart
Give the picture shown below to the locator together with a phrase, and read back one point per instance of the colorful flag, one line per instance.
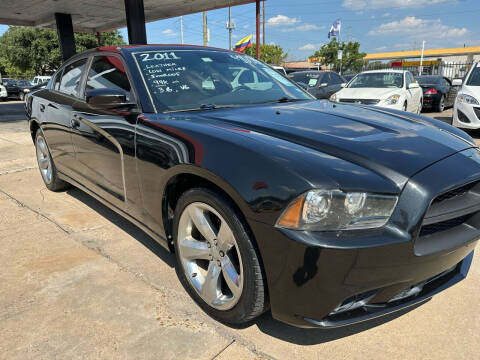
(335, 29)
(244, 43)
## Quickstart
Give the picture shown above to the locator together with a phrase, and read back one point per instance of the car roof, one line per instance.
(385, 70)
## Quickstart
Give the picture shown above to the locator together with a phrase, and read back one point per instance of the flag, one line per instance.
(244, 43)
(335, 29)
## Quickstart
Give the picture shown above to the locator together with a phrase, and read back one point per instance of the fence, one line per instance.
(450, 70)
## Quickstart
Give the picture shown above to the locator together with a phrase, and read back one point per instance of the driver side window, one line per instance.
(108, 72)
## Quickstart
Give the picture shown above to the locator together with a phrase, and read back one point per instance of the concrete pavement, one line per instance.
(78, 281)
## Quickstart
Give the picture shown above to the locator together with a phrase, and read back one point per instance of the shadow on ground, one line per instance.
(300, 336)
(125, 225)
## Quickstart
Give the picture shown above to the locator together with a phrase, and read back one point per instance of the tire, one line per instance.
(235, 302)
(46, 165)
(441, 105)
(404, 108)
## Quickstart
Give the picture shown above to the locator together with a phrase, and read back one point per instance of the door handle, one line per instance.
(52, 106)
(42, 108)
(75, 123)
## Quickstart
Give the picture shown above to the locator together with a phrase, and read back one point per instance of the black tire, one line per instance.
(441, 105)
(56, 184)
(253, 300)
(404, 108)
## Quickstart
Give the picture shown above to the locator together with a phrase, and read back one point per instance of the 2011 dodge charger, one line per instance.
(326, 213)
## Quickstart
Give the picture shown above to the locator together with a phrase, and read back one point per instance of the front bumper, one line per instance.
(313, 274)
(466, 116)
(3, 94)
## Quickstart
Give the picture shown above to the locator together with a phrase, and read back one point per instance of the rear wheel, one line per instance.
(47, 166)
(441, 105)
(217, 262)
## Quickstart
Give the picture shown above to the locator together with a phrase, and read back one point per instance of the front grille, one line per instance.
(454, 193)
(443, 225)
(477, 112)
(360, 101)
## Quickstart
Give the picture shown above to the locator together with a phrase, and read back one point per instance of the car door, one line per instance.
(56, 108)
(104, 140)
(451, 92)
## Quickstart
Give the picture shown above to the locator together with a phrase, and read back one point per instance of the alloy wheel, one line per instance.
(43, 159)
(209, 256)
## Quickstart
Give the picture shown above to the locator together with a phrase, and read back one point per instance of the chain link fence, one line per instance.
(451, 70)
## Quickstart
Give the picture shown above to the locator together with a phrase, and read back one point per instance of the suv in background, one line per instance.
(40, 80)
(321, 84)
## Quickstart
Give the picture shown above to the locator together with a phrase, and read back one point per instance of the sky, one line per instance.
(301, 26)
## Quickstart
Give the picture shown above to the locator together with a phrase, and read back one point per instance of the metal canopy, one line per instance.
(99, 15)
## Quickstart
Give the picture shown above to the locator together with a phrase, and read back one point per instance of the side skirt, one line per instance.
(161, 240)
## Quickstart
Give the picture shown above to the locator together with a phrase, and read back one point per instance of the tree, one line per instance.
(28, 51)
(352, 59)
(271, 54)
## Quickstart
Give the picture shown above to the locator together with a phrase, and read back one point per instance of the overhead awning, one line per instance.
(99, 15)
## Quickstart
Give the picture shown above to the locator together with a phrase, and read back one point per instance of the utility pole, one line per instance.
(257, 29)
(99, 38)
(230, 28)
(181, 30)
(420, 69)
(263, 21)
(205, 29)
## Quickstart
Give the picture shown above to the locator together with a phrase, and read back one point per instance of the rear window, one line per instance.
(428, 80)
(311, 79)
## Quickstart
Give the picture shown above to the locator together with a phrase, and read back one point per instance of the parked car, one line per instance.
(321, 84)
(325, 213)
(40, 80)
(438, 92)
(28, 95)
(394, 89)
(16, 88)
(3, 93)
(466, 111)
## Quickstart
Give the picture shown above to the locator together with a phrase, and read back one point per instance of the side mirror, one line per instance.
(323, 84)
(108, 99)
(457, 82)
(343, 85)
(413, 85)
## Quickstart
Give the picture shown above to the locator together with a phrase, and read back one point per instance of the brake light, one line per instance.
(431, 91)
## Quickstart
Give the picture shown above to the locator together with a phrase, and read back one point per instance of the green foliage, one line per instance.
(28, 51)
(352, 57)
(271, 54)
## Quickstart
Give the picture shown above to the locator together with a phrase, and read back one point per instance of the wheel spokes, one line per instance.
(232, 278)
(194, 250)
(43, 163)
(225, 237)
(202, 223)
(210, 289)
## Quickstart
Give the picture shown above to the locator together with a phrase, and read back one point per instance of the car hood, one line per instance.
(392, 144)
(471, 90)
(367, 93)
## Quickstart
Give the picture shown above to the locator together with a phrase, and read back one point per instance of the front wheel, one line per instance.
(218, 264)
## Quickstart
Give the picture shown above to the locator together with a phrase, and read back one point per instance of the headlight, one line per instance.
(392, 100)
(327, 210)
(333, 97)
(467, 99)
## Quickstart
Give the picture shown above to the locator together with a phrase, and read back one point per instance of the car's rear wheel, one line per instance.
(441, 104)
(217, 261)
(47, 166)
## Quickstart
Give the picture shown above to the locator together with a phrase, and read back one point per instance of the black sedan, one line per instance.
(16, 88)
(325, 213)
(438, 92)
(321, 84)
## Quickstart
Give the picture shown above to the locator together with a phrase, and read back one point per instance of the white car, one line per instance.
(3, 93)
(40, 79)
(394, 89)
(466, 110)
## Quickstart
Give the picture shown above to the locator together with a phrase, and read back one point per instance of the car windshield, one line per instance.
(198, 79)
(428, 80)
(309, 78)
(474, 79)
(377, 80)
(23, 83)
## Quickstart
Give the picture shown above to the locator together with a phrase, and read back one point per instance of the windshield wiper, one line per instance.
(203, 107)
(284, 100)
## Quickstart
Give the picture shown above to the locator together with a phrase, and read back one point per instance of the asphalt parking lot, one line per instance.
(78, 281)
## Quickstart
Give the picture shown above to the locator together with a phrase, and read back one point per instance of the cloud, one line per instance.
(382, 4)
(417, 28)
(307, 47)
(169, 32)
(387, 14)
(281, 20)
(304, 27)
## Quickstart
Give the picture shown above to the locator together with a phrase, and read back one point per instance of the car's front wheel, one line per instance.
(47, 166)
(217, 262)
